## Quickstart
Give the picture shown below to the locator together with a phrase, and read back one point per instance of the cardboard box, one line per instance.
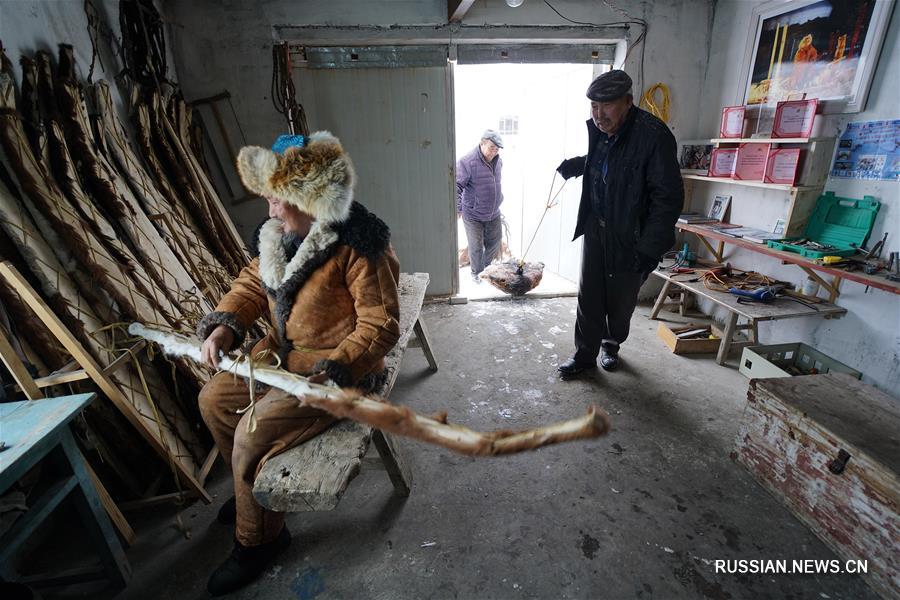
(688, 346)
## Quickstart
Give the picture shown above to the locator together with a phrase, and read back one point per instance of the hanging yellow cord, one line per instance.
(648, 101)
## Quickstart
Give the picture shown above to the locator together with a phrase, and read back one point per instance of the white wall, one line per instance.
(868, 337)
(227, 45)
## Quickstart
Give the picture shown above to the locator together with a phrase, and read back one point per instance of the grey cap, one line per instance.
(490, 134)
(609, 86)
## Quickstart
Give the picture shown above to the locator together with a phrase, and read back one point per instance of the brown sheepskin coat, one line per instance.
(334, 306)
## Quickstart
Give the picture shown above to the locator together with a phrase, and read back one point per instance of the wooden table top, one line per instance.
(780, 308)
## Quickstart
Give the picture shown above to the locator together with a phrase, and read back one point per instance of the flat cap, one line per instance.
(609, 86)
(490, 134)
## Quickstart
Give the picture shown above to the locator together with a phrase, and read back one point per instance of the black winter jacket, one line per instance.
(644, 192)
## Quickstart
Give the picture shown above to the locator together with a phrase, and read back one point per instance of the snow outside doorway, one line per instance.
(540, 110)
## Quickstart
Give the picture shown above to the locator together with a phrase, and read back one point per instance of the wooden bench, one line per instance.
(313, 476)
(781, 308)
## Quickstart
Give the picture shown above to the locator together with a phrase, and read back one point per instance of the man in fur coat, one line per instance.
(326, 277)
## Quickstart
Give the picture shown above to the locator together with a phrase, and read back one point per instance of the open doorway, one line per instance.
(540, 110)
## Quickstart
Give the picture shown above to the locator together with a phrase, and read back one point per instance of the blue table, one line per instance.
(38, 430)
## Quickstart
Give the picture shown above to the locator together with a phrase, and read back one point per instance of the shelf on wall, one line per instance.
(759, 184)
(766, 140)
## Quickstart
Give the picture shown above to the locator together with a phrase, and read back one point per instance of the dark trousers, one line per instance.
(484, 242)
(606, 300)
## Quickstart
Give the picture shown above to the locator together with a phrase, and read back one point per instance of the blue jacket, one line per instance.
(478, 194)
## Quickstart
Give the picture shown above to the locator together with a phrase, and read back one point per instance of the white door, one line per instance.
(395, 122)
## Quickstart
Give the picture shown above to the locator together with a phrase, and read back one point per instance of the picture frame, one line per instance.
(825, 49)
(719, 207)
(732, 124)
(694, 155)
(794, 118)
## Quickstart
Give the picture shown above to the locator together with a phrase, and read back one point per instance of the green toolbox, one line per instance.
(837, 227)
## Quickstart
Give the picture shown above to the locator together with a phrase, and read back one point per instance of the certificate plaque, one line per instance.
(781, 166)
(750, 163)
(794, 118)
(721, 163)
(732, 125)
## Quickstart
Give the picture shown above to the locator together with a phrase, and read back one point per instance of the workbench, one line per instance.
(37, 431)
(780, 308)
(813, 269)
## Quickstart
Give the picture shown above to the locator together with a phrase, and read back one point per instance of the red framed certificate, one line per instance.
(750, 162)
(732, 125)
(781, 166)
(721, 163)
(794, 118)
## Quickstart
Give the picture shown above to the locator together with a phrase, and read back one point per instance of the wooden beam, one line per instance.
(457, 9)
(17, 369)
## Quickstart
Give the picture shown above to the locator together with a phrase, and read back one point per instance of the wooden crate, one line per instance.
(690, 346)
(828, 447)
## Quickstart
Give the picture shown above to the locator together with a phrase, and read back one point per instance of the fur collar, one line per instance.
(274, 268)
(282, 279)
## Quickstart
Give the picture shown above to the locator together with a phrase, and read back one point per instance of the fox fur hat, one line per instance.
(317, 178)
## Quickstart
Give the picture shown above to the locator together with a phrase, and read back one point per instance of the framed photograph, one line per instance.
(794, 118)
(750, 163)
(693, 156)
(781, 166)
(825, 49)
(719, 207)
(721, 163)
(732, 125)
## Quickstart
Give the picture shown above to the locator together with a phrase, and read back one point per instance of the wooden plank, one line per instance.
(115, 515)
(875, 281)
(725, 344)
(17, 369)
(781, 308)
(314, 475)
(661, 299)
(422, 336)
(396, 467)
(457, 9)
(208, 464)
(96, 373)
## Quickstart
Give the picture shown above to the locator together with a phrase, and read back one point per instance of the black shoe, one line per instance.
(573, 367)
(609, 360)
(246, 564)
(228, 512)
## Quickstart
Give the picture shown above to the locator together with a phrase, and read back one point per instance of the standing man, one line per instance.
(478, 199)
(631, 197)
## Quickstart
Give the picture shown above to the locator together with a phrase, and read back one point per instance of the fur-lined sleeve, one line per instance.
(373, 285)
(240, 307)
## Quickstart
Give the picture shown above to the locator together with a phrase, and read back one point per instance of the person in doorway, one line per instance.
(631, 197)
(326, 279)
(478, 199)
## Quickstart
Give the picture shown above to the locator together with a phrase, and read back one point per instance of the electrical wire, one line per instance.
(648, 101)
(641, 38)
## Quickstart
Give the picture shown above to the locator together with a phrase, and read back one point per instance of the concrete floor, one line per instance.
(640, 513)
(552, 285)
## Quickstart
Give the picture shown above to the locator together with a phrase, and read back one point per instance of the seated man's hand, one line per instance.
(221, 339)
(571, 167)
(320, 377)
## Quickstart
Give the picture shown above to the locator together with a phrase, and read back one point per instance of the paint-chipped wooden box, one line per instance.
(828, 446)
